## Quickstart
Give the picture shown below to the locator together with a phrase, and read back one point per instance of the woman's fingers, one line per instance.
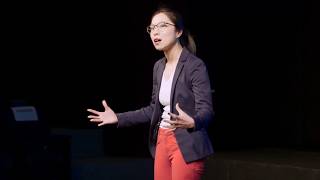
(178, 108)
(103, 123)
(93, 111)
(174, 116)
(95, 120)
(93, 117)
(171, 122)
(177, 123)
(105, 105)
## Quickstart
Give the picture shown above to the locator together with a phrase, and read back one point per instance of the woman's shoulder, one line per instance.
(190, 57)
(195, 60)
(158, 62)
(156, 65)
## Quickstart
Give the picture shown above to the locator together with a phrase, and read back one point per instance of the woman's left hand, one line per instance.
(182, 120)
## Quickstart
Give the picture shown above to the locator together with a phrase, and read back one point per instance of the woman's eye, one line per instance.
(163, 25)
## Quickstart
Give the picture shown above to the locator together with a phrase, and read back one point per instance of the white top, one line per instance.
(164, 98)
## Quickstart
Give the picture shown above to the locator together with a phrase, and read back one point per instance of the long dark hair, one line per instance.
(186, 38)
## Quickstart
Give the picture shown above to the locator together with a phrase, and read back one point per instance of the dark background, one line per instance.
(66, 57)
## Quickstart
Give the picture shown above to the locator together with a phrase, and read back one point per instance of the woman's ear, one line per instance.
(179, 33)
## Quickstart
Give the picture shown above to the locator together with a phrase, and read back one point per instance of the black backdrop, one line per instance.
(65, 58)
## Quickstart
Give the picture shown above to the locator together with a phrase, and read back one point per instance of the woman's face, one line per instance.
(163, 32)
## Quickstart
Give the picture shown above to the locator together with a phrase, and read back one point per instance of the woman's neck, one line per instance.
(173, 54)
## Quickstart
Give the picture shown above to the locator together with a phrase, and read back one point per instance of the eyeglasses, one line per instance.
(161, 26)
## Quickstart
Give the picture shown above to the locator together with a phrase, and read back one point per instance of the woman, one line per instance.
(181, 105)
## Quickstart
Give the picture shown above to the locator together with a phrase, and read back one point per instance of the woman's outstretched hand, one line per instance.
(104, 117)
(181, 120)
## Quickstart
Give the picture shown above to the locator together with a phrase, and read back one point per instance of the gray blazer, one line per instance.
(191, 89)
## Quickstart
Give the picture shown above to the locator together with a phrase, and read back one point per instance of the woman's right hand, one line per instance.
(104, 117)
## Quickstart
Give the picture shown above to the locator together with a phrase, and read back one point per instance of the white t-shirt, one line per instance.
(164, 98)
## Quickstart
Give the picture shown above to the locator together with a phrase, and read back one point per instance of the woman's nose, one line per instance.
(155, 32)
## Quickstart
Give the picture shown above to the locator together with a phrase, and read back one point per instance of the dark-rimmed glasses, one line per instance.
(161, 26)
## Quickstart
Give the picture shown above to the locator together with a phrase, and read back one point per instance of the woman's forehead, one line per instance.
(161, 17)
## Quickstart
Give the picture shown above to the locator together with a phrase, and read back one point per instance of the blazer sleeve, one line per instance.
(202, 92)
(142, 115)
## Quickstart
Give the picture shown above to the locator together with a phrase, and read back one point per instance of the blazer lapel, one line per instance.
(159, 75)
(182, 59)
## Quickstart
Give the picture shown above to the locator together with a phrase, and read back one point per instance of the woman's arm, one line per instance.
(202, 92)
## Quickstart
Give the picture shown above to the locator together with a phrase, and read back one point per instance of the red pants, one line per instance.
(169, 162)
